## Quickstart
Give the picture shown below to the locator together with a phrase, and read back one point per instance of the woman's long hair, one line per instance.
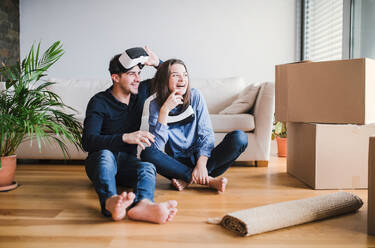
(160, 83)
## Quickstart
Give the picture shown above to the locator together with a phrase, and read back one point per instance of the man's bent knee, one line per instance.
(146, 167)
(101, 158)
(102, 154)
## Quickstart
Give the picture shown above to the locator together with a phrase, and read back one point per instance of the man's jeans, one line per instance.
(106, 169)
(222, 156)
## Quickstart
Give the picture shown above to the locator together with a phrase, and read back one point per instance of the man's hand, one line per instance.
(140, 138)
(153, 59)
(200, 173)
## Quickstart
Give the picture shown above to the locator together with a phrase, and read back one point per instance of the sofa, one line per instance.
(232, 104)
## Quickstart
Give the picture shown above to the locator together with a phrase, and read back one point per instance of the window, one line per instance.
(326, 29)
(363, 31)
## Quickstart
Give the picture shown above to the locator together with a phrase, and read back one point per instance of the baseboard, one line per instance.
(51, 161)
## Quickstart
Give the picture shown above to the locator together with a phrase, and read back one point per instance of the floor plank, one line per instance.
(56, 206)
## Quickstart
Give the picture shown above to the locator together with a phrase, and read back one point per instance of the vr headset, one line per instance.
(182, 117)
(132, 57)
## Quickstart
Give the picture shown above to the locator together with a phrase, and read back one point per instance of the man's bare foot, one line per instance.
(159, 213)
(218, 183)
(117, 204)
(179, 184)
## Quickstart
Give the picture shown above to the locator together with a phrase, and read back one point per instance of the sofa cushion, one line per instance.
(77, 93)
(244, 101)
(227, 123)
(219, 93)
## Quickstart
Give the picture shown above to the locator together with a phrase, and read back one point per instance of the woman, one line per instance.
(181, 124)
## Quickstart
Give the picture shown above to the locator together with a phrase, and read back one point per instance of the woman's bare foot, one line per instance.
(218, 183)
(159, 213)
(179, 184)
(117, 204)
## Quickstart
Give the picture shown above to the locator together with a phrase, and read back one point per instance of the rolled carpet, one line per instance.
(275, 216)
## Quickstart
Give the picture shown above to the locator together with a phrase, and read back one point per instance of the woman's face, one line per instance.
(178, 79)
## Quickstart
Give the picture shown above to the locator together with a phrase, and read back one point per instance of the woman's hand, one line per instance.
(172, 101)
(200, 173)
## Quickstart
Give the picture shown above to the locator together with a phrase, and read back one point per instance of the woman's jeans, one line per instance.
(106, 169)
(222, 156)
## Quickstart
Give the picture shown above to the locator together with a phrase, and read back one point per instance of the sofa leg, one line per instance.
(257, 163)
(261, 163)
(245, 163)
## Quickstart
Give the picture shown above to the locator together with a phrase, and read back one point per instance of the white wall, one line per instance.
(215, 38)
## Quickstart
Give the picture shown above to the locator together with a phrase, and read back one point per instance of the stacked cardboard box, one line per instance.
(371, 188)
(330, 110)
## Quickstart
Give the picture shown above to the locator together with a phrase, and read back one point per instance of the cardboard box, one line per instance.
(341, 91)
(329, 156)
(371, 188)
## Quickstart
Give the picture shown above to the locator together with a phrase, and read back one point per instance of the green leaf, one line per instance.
(29, 110)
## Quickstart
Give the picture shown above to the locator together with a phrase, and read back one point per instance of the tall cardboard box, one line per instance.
(371, 188)
(329, 156)
(341, 91)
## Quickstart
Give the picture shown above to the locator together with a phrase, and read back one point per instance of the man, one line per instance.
(111, 135)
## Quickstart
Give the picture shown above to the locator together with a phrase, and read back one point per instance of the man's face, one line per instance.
(128, 81)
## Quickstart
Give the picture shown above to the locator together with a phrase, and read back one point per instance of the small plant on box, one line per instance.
(279, 133)
(279, 130)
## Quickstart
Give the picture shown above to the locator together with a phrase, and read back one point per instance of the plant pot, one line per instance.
(7, 171)
(281, 146)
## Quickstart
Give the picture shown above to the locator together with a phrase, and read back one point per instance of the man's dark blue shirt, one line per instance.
(107, 119)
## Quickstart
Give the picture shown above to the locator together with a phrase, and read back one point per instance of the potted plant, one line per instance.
(280, 133)
(29, 111)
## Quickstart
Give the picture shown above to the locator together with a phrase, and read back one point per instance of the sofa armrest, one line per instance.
(263, 115)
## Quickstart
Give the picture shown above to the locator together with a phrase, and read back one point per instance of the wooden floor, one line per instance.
(56, 206)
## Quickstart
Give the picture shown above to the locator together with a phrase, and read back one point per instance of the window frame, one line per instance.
(346, 32)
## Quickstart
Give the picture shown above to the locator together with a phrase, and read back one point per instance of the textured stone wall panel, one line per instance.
(9, 31)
